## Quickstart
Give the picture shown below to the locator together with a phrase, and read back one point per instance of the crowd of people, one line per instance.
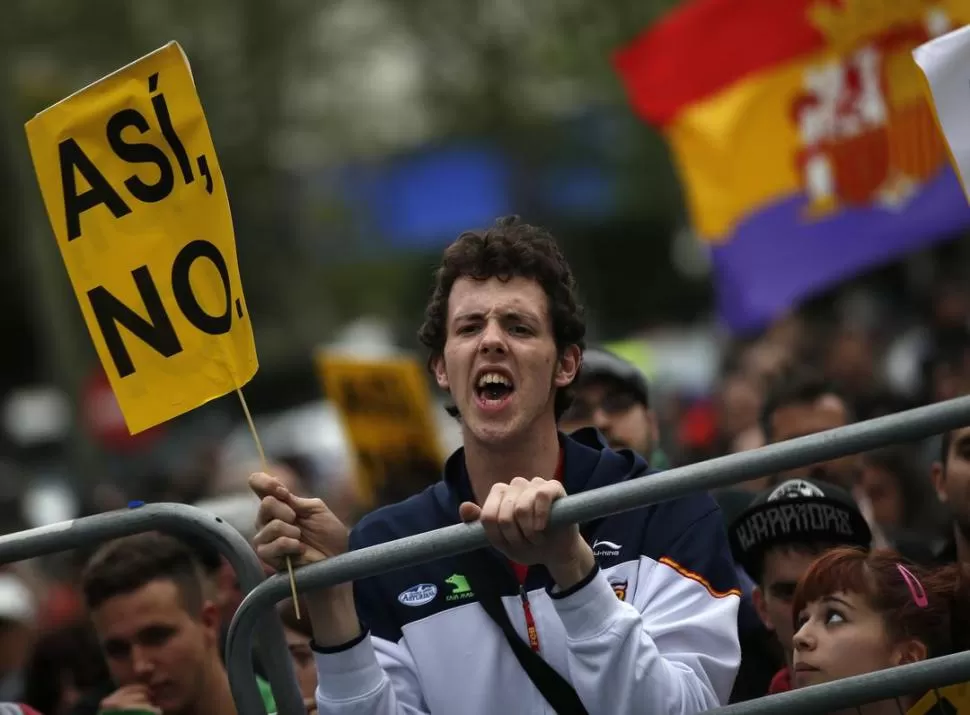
(792, 579)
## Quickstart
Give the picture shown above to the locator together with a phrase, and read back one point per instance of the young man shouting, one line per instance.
(634, 613)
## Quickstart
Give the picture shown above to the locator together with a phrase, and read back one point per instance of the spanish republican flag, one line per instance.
(803, 136)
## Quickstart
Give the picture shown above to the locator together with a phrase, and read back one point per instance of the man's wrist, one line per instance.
(333, 615)
(573, 570)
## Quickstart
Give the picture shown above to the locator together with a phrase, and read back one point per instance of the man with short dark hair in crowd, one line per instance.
(612, 395)
(147, 598)
(775, 540)
(801, 402)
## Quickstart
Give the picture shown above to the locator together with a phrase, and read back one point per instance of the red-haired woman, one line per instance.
(858, 612)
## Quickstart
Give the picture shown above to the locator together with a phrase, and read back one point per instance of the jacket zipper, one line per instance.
(530, 624)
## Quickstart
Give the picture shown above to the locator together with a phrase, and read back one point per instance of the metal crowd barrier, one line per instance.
(180, 520)
(901, 681)
(905, 426)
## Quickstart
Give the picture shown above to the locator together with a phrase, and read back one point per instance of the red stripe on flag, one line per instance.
(708, 45)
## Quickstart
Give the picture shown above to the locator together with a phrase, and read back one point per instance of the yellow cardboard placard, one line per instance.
(955, 700)
(139, 208)
(386, 408)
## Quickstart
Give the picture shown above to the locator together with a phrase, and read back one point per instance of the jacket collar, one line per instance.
(588, 463)
(580, 459)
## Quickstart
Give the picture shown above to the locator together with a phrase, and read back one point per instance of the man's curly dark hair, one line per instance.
(510, 249)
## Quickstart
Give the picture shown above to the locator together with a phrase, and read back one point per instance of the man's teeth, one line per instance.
(493, 378)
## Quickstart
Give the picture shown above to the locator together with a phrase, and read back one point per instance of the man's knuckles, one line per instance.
(545, 498)
(309, 505)
(271, 508)
(497, 493)
(553, 488)
(289, 545)
(263, 484)
(523, 510)
(489, 516)
(276, 550)
(278, 528)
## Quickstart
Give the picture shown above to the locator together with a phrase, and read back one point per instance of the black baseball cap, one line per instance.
(601, 363)
(798, 510)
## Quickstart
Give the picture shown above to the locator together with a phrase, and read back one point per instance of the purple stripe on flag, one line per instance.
(776, 259)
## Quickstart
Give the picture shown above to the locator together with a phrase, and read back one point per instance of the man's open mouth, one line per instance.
(493, 387)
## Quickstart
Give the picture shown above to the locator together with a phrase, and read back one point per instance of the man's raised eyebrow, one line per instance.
(520, 315)
(505, 315)
(474, 315)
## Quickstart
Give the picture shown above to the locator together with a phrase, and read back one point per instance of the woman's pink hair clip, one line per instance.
(915, 587)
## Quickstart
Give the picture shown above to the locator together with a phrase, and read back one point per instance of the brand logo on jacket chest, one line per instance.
(418, 595)
(602, 547)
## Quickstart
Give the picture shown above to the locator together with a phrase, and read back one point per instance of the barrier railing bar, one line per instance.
(904, 426)
(179, 520)
(904, 680)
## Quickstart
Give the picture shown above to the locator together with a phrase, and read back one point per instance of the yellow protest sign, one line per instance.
(951, 700)
(386, 409)
(139, 208)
